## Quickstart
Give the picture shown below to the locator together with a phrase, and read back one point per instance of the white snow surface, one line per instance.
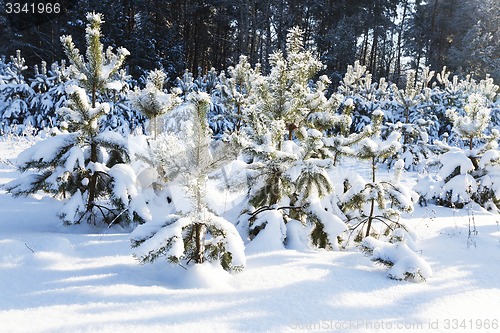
(56, 278)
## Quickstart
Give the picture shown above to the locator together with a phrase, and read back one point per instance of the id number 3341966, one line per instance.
(32, 8)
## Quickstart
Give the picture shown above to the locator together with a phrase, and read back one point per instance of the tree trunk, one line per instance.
(199, 239)
(364, 50)
(474, 159)
(253, 39)
(281, 31)
(93, 159)
(372, 65)
(370, 218)
(374, 169)
(372, 201)
(405, 129)
(244, 29)
(399, 45)
(268, 36)
(434, 50)
(93, 179)
(291, 128)
(155, 126)
(238, 117)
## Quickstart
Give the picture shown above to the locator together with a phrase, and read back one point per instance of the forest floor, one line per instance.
(56, 278)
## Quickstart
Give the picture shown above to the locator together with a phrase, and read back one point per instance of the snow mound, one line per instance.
(267, 240)
(405, 264)
(452, 160)
(411, 266)
(201, 276)
(297, 235)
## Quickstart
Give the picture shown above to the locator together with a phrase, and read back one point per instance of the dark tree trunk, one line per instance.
(93, 159)
(199, 239)
(399, 45)
(372, 201)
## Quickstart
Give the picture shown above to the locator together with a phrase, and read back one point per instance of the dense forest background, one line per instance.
(387, 36)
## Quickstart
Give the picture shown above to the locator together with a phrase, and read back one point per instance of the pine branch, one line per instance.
(264, 208)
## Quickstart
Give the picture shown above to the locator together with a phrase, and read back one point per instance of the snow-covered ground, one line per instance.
(82, 279)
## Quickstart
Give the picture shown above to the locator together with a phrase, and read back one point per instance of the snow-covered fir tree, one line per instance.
(373, 208)
(153, 101)
(367, 96)
(84, 165)
(193, 234)
(410, 112)
(377, 200)
(40, 84)
(186, 84)
(340, 140)
(236, 91)
(15, 93)
(288, 161)
(467, 171)
(3, 68)
(452, 93)
(41, 104)
(471, 126)
(122, 117)
(288, 83)
(313, 189)
(44, 105)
